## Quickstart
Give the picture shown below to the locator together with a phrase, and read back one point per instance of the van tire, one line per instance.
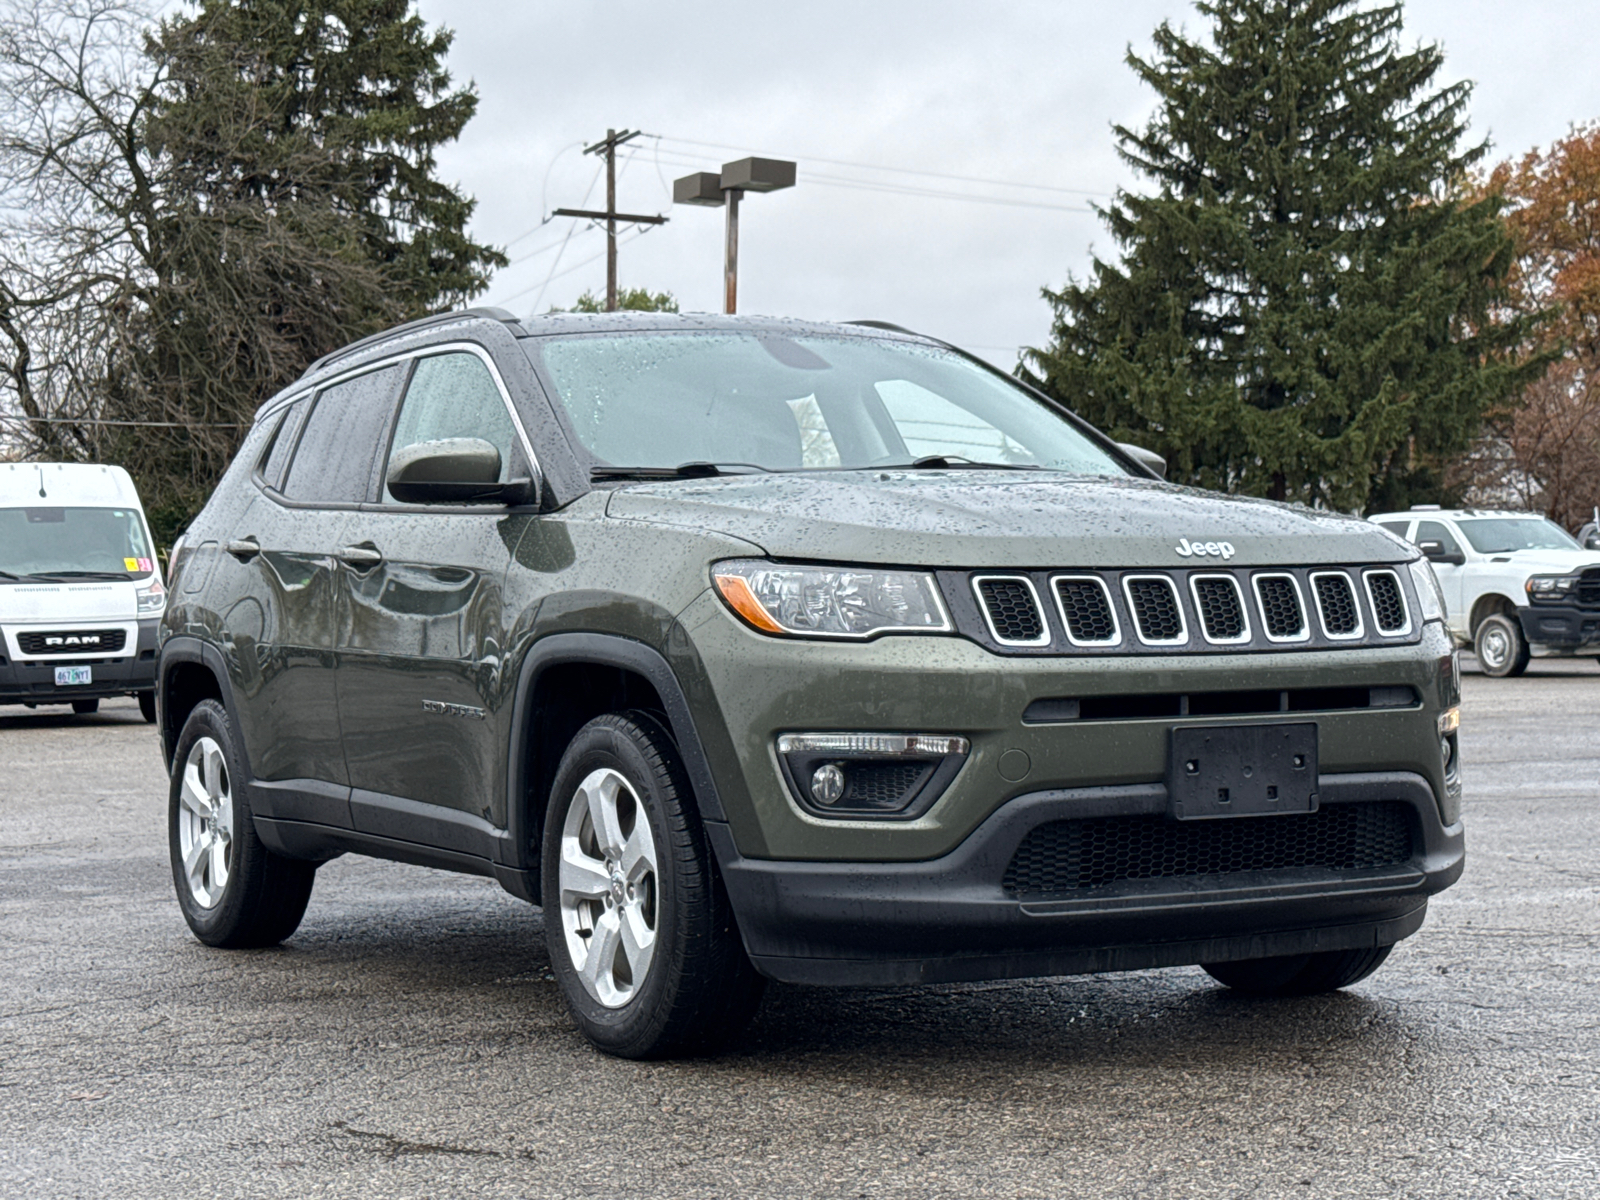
(147, 707)
(84, 707)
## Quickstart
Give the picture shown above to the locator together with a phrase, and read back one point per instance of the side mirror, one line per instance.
(1148, 458)
(454, 471)
(1435, 552)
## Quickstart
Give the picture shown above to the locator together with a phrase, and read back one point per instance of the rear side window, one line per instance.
(333, 462)
(281, 444)
(454, 396)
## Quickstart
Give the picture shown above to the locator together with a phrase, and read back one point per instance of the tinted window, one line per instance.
(1433, 531)
(333, 464)
(454, 396)
(281, 443)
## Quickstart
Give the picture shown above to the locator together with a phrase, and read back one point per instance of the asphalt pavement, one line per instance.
(409, 1041)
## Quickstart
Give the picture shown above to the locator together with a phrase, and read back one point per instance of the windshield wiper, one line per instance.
(9, 575)
(79, 575)
(942, 462)
(688, 470)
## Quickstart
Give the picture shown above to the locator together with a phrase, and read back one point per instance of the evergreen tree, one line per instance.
(628, 300)
(1304, 307)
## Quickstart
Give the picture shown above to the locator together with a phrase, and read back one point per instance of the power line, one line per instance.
(839, 162)
(27, 420)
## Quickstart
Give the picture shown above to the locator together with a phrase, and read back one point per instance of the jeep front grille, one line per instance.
(1086, 610)
(1012, 610)
(1336, 604)
(1201, 609)
(1221, 608)
(1061, 858)
(1156, 613)
(73, 641)
(1388, 602)
(1281, 611)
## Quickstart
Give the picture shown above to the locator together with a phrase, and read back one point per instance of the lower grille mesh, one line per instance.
(1063, 857)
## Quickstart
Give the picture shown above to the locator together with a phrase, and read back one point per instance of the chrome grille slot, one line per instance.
(1336, 604)
(1086, 611)
(1221, 607)
(1388, 603)
(1011, 608)
(1283, 616)
(1157, 615)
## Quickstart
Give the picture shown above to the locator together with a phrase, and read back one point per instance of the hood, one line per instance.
(1545, 562)
(100, 600)
(1003, 519)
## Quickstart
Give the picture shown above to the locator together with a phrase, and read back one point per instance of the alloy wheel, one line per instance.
(205, 822)
(609, 892)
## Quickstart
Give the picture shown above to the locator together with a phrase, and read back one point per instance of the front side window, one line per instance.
(1505, 535)
(802, 402)
(453, 396)
(333, 462)
(73, 543)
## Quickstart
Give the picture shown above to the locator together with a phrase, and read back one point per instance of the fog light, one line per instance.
(891, 775)
(827, 784)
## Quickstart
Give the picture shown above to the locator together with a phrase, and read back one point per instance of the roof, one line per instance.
(66, 485)
(1451, 514)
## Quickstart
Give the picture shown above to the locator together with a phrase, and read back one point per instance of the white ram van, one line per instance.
(80, 589)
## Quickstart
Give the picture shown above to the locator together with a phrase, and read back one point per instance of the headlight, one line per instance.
(830, 602)
(1429, 593)
(1550, 588)
(152, 599)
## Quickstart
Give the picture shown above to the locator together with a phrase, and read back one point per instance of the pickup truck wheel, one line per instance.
(641, 935)
(234, 892)
(1500, 647)
(1299, 974)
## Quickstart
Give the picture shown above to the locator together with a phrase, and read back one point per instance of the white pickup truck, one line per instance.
(1516, 585)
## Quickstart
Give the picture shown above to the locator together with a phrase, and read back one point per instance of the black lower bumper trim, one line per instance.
(950, 918)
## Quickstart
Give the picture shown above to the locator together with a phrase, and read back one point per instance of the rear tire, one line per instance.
(641, 935)
(147, 707)
(1501, 649)
(1299, 974)
(84, 707)
(234, 892)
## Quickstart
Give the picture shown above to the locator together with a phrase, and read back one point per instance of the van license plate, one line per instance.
(1242, 770)
(73, 676)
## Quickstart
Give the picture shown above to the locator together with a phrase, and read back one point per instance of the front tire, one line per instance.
(1299, 974)
(234, 892)
(1501, 649)
(641, 935)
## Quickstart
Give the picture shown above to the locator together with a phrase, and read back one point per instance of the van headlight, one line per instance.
(152, 599)
(1429, 594)
(830, 602)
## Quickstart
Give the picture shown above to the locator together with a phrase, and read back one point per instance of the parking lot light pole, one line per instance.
(726, 190)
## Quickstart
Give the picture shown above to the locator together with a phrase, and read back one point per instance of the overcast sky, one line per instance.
(1015, 93)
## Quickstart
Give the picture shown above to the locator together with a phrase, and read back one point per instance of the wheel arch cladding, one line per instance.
(565, 681)
(187, 676)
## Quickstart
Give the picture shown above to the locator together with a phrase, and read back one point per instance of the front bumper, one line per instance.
(1562, 628)
(34, 681)
(951, 918)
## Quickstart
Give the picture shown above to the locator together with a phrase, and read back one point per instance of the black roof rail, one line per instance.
(487, 313)
(890, 326)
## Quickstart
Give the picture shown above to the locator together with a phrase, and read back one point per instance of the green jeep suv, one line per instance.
(756, 649)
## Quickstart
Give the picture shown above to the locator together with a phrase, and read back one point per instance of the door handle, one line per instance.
(244, 549)
(361, 557)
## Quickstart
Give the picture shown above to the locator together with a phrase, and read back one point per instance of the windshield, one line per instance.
(790, 403)
(68, 542)
(1501, 535)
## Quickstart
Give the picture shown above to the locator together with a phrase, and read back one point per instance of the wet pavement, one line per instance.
(409, 1040)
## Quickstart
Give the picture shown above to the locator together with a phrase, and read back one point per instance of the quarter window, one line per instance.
(333, 464)
(282, 444)
(454, 396)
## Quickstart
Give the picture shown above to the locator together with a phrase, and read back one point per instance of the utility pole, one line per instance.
(726, 190)
(608, 147)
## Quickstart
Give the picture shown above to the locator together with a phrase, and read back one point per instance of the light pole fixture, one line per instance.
(712, 190)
